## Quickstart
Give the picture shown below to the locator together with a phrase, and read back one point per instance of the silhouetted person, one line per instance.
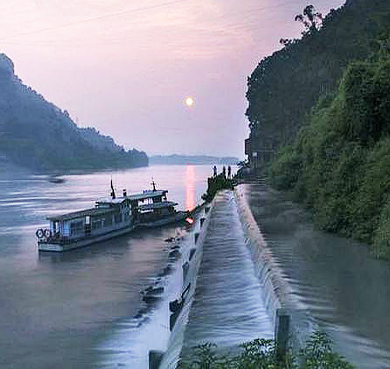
(224, 172)
(112, 191)
(229, 172)
(215, 170)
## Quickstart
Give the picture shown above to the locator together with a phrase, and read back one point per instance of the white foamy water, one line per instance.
(133, 338)
(228, 307)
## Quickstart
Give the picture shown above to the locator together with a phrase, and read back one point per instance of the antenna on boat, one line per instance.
(154, 185)
(112, 191)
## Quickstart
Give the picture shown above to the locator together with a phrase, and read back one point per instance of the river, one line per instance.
(83, 308)
(68, 310)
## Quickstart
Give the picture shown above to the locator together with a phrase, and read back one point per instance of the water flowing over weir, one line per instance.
(275, 284)
(227, 305)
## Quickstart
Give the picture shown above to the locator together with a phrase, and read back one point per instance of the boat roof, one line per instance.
(149, 194)
(157, 205)
(109, 200)
(80, 214)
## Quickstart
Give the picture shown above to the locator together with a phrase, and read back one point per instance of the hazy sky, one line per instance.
(126, 67)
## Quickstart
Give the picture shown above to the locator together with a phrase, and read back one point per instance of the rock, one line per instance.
(167, 270)
(155, 358)
(174, 254)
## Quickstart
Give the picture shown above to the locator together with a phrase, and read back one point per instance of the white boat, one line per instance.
(111, 217)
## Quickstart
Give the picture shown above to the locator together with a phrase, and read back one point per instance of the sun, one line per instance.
(189, 101)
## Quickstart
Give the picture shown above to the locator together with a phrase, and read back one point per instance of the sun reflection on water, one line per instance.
(190, 187)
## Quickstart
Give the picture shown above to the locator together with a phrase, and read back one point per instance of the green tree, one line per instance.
(311, 19)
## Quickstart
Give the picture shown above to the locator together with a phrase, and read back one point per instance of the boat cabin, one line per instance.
(146, 198)
(110, 214)
(105, 217)
(155, 211)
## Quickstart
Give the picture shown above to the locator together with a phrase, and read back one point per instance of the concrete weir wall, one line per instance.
(280, 299)
(170, 358)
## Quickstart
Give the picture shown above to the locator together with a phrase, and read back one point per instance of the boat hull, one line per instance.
(179, 216)
(66, 246)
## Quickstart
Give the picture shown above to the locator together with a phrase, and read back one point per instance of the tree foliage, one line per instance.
(324, 104)
(311, 19)
(261, 354)
(284, 87)
(339, 166)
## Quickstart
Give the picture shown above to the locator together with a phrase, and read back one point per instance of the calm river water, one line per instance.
(65, 310)
(336, 280)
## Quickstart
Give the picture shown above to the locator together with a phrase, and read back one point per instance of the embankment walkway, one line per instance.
(228, 307)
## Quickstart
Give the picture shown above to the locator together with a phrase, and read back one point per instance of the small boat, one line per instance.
(111, 217)
(55, 178)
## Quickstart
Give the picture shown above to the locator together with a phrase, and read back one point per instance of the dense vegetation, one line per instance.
(285, 86)
(340, 164)
(36, 134)
(261, 354)
(331, 123)
(217, 183)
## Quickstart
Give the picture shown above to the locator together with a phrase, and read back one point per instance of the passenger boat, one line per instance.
(111, 217)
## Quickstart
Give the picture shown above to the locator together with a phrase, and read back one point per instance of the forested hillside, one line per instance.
(286, 85)
(39, 135)
(339, 163)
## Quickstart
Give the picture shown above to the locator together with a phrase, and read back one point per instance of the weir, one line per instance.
(228, 308)
(225, 304)
(237, 292)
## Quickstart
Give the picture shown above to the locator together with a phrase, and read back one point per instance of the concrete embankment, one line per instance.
(180, 308)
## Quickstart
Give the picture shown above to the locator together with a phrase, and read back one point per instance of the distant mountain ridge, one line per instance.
(37, 134)
(191, 159)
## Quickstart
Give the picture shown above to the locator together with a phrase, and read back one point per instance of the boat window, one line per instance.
(118, 218)
(96, 224)
(76, 228)
(107, 221)
(87, 219)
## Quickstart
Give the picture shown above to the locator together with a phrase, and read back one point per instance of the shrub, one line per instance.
(339, 166)
(381, 244)
(261, 354)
